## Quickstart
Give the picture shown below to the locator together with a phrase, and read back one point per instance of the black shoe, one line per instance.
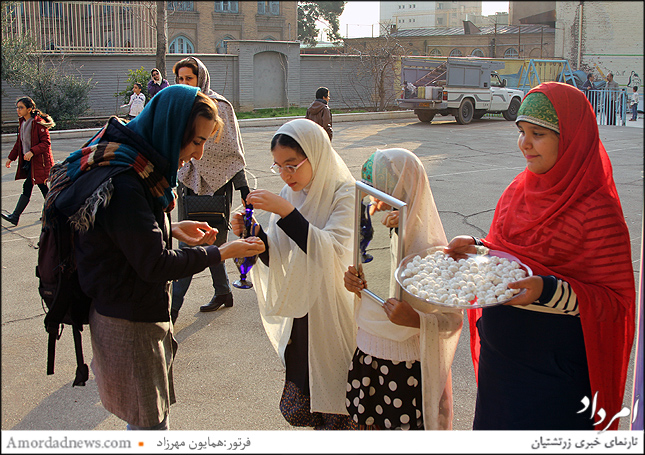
(11, 218)
(218, 301)
(174, 314)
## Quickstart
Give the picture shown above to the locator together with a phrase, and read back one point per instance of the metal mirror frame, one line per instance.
(396, 204)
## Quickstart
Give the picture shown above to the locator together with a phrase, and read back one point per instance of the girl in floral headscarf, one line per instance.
(565, 343)
(400, 376)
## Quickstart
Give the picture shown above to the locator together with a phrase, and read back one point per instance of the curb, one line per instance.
(244, 123)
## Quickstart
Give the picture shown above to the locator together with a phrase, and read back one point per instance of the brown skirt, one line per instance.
(132, 363)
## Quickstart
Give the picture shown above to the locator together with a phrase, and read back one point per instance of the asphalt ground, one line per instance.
(227, 375)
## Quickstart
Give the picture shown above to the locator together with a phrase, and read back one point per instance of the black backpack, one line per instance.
(63, 300)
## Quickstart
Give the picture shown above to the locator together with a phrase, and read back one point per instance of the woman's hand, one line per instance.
(401, 313)
(29, 155)
(354, 282)
(460, 246)
(391, 220)
(533, 285)
(269, 202)
(242, 248)
(8, 164)
(194, 233)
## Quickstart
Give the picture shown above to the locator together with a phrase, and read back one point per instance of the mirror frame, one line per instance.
(396, 204)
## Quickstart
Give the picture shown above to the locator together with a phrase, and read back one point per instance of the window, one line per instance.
(511, 52)
(226, 7)
(440, 21)
(477, 53)
(435, 51)
(181, 45)
(222, 45)
(272, 8)
(455, 53)
(180, 6)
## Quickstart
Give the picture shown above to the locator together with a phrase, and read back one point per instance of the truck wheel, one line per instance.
(465, 112)
(479, 113)
(425, 116)
(511, 113)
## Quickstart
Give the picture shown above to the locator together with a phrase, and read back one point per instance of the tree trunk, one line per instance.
(162, 37)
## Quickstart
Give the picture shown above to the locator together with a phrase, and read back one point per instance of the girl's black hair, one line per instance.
(30, 104)
(287, 141)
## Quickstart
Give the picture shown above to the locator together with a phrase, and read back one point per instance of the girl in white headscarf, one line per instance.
(400, 374)
(305, 308)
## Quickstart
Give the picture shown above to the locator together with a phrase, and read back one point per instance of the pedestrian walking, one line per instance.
(33, 151)
(319, 111)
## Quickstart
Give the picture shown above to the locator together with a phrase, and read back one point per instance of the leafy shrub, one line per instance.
(63, 96)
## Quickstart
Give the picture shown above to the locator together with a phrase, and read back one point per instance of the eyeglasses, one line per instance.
(289, 169)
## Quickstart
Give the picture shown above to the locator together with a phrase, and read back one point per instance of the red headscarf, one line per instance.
(569, 222)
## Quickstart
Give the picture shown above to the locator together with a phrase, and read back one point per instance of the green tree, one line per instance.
(142, 76)
(311, 12)
(17, 50)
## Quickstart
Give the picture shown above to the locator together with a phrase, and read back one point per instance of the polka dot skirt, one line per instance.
(384, 394)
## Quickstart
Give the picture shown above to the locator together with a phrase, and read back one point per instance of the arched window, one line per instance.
(181, 45)
(511, 52)
(222, 45)
(455, 53)
(435, 51)
(477, 53)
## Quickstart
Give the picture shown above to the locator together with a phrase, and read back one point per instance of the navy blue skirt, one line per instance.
(533, 372)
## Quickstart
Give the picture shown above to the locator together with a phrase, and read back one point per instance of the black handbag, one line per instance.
(214, 210)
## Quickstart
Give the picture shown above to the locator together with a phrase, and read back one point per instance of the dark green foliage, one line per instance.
(310, 12)
(64, 97)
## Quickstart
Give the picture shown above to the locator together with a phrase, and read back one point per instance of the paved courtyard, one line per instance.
(227, 376)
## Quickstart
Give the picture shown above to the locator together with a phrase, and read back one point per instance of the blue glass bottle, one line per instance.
(244, 265)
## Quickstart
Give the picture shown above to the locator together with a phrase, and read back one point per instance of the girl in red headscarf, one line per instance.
(556, 356)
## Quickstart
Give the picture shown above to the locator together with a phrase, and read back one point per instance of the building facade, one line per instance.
(600, 37)
(414, 14)
(131, 27)
(497, 41)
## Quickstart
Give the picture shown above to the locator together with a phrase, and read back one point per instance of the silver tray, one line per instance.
(479, 258)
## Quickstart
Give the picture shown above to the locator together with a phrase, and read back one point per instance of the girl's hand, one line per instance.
(533, 285)
(194, 233)
(460, 246)
(242, 248)
(377, 206)
(391, 220)
(237, 223)
(29, 155)
(353, 281)
(269, 202)
(401, 313)
(8, 164)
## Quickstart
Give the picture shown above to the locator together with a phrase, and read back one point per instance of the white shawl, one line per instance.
(222, 159)
(401, 174)
(296, 284)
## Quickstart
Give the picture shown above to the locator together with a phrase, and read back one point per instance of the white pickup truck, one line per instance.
(465, 87)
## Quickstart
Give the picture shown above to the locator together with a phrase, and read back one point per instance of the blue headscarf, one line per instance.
(150, 144)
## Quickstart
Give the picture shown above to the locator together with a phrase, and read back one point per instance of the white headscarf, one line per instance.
(297, 284)
(401, 174)
(222, 159)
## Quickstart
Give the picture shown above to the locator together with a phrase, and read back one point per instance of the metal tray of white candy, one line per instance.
(478, 281)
